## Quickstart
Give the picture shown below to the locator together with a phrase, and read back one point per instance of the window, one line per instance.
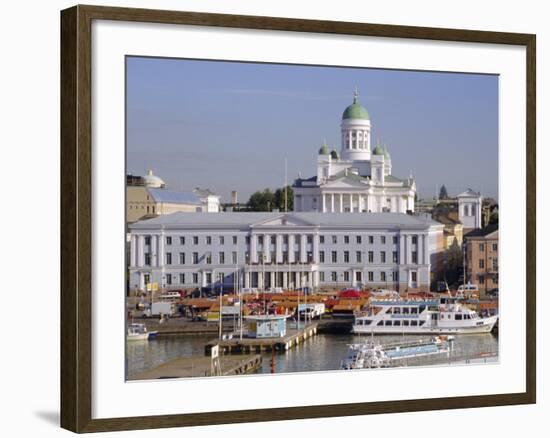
(234, 240)
(334, 257)
(333, 276)
(371, 240)
(371, 256)
(222, 240)
(297, 256)
(371, 276)
(247, 240)
(413, 276)
(346, 276)
(387, 322)
(458, 317)
(397, 322)
(414, 240)
(383, 240)
(168, 278)
(147, 259)
(195, 240)
(168, 240)
(481, 279)
(321, 239)
(234, 259)
(395, 240)
(481, 247)
(346, 239)
(358, 239)
(346, 256)
(334, 240)
(481, 264)
(414, 322)
(195, 258)
(182, 240)
(309, 239)
(395, 276)
(147, 240)
(182, 258)
(260, 240)
(195, 278)
(182, 278)
(394, 257)
(495, 264)
(414, 255)
(358, 276)
(495, 247)
(321, 256)
(382, 256)
(221, 258)
(382, 276)
(358, 256)
(321, 276)
(208, 278)
(168, 258)
(209, 240)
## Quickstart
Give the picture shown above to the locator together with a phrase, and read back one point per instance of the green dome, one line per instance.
(378, 150)
(334, 155)
(324, 149)
(355, 110)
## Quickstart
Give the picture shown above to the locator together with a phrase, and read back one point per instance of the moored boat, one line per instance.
(421, 316)
(138, 332)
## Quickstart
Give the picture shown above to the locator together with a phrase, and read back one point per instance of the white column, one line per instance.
(351, 202)
(425, 249)
(285, 280)
(402, 259)
(408, 246)
(160, 255)
(323, 196)
(153, 250)
(291, 248)
(360, 203)
(247, 279)
(332, 202)
(140, 251)
(267, 245)
(254, 248)
(133, 251)
(272, 278)
(316, 248)
(303, 250)
(341, 202)
(279, 248)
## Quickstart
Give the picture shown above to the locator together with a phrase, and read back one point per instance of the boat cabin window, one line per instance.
(397, 310)
(366, 321)
(397, 322)
(414, 323)
(458, 316)
(380, 323)
(406, 322)
(405, 310)
(421, 323)
(388, 322)
(421, 309)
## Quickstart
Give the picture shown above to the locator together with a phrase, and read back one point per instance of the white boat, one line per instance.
(138, 332)
(421, 316)
(375, 355)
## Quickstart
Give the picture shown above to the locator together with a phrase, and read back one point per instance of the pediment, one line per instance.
(284, 220)
(343, 183)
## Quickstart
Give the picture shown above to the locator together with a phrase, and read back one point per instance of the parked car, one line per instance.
(493, 292)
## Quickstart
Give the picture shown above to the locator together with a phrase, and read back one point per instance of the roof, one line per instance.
(355, 110)
(203, 192)
(469, 193)
(174, 197)
(378, 150)
(247, 219)
(482, 232)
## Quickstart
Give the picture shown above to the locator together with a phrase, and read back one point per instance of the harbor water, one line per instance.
(323, 352)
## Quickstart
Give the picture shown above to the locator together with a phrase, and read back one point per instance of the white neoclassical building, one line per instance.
(355, 179)
(469, 208)
(289, 250)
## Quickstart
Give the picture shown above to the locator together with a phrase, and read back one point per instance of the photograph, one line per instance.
(289, 218)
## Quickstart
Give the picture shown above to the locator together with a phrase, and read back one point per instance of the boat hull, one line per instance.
(486, 327)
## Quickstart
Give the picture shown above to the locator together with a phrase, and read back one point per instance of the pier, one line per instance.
(201, 366)
(255, 345)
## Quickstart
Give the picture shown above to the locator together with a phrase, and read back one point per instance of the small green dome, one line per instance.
(324, 149)
(378, 150)
(355, 110)
(334, 155)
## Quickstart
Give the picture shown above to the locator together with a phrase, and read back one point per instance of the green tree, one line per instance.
(262, 201)
(280, 198)
(443, 192)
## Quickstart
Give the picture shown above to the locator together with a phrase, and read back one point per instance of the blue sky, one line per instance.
(229, 126)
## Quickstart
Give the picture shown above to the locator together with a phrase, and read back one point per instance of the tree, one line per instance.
(443, 193)
(267, 200)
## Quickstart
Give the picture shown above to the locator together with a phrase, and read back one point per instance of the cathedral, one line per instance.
(355, 179)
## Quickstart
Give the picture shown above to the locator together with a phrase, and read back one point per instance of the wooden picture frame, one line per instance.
(76, 217)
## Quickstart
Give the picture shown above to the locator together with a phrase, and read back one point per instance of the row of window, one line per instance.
(494, 264)
(345, 257)
(493, 245)
(346, 239)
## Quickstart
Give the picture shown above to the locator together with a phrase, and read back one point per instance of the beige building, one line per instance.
(482, 257)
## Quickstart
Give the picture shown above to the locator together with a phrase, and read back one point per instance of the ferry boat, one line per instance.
(138, 332)
(375, 355)
(421, 316)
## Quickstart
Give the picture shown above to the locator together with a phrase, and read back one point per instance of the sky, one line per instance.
(230, 126)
